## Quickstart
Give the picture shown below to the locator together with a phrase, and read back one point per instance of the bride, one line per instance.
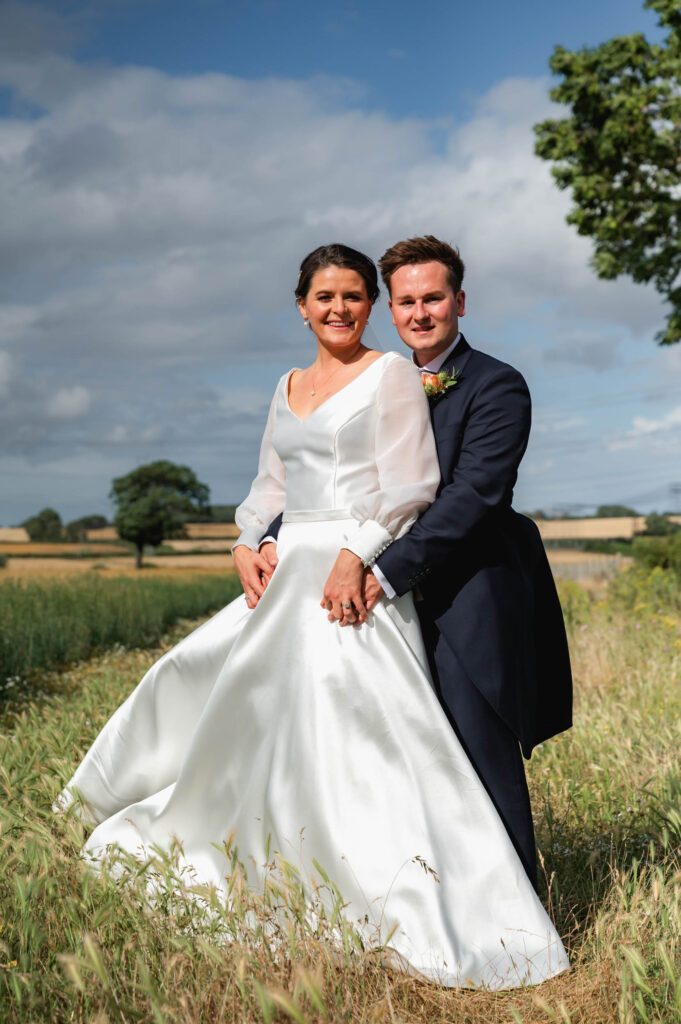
(269, 719)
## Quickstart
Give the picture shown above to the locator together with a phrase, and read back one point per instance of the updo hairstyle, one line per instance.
(337, 256)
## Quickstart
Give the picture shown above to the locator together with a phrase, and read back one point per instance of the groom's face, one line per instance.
(425, 308)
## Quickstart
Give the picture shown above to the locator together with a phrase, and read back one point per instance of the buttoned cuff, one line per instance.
(368, 541)
(388, 588)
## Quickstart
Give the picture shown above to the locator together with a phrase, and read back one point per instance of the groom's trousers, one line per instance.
(492, 748)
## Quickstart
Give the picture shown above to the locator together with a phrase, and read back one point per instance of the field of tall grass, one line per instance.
(607, 800)
(51, 622)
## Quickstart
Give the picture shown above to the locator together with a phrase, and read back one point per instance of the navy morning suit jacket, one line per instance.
(480, 567)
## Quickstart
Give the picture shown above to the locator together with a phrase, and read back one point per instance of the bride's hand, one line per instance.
(254, 572)
(343, 590)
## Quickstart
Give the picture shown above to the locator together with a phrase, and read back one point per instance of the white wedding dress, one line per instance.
(265, 722)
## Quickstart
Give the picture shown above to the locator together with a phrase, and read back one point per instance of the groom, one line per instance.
(489, 611)
(485, 596)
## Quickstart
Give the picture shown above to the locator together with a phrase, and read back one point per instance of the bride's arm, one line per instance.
(408, 477)
(266, 499)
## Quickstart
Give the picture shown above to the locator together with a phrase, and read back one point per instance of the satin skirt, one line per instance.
(264, 723)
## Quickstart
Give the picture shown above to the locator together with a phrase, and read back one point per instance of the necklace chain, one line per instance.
(313, 390)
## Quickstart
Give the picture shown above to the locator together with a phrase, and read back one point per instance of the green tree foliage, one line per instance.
(46, 526)
(614, 512)
(659, 552)
(660, 526)
(77, 529)
(222, 513)
(620, 154)
(155, 501)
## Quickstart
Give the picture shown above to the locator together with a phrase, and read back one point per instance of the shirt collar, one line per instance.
(436, 364)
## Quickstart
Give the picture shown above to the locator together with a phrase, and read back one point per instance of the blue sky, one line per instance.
(165, 165)
(410, 59)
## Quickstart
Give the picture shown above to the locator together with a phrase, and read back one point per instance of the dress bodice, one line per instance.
(329, 457)
(368, 449)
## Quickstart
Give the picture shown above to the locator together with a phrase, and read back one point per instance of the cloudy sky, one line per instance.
(165, 164)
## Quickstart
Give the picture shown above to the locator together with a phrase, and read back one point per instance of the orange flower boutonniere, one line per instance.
(437, 383)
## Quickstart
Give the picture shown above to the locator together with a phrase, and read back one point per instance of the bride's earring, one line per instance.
(306, 321)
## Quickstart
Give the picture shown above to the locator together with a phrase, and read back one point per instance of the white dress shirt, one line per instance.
(434, 366)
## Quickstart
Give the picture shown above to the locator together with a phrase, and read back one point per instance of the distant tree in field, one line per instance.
(77, 529)
(46, 526)
(614, 511)
(155, 501)
(537, 514)
(620, 154)
(660, 526)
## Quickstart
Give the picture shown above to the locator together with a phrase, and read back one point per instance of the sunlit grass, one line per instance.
(607, 799)
(53, 622)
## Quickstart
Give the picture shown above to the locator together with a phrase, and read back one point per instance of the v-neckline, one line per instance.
(304, 419)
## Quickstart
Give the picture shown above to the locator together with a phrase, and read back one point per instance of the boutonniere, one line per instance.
(435, 384)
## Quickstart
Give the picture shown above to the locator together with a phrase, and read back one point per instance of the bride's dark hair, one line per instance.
(337, 255)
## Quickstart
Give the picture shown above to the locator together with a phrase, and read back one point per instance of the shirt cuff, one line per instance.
(388, 589)
(250, 537)
(267, 540)
(368, 541)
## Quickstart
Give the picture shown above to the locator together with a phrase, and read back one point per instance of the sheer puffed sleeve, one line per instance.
(267, 496)
(406, 462)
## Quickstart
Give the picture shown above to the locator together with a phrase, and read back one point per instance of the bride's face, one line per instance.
(337, 306)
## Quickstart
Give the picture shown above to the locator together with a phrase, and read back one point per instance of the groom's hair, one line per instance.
(427, 249)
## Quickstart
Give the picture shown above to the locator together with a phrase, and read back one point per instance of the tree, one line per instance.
(662, 552)
(620, 154)
(46, 526)
(77, 529)
(155, 501)
(222, 513)
(614, 512)
(660, 525)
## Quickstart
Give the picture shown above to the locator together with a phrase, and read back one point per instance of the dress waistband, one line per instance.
(316, 515)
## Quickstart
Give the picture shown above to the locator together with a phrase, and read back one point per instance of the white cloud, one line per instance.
(670, 421)
(551, 424)
(5, 372)
(152, 228)
(69, 403)
(659, 437)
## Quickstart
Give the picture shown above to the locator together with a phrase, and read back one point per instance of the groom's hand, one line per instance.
(371, 590)
(343, 590)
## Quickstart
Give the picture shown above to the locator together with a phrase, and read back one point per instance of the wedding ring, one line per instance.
(346, 604)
